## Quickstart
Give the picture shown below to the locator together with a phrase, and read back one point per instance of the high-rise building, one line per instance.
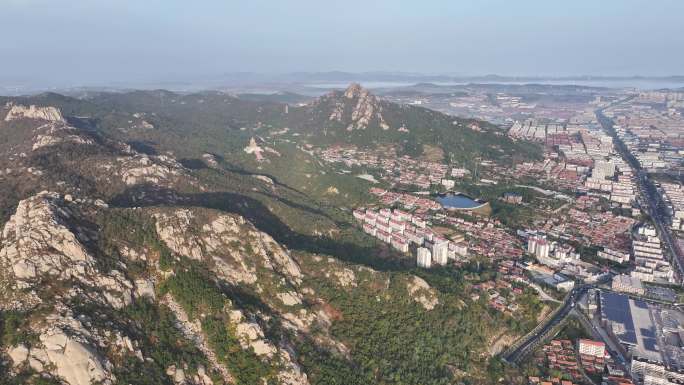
(424, 258)
(440, 251)
(538, 245)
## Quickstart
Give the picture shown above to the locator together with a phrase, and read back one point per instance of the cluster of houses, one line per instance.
(407, 201)
(570, 360)
(402, 170)
(560, 355)
(406, 232)
(488, 238)
(651, 129)
(673, 196)
(496, 295)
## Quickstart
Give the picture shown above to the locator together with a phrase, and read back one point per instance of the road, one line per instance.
(542, 294)
(649, 194)
(517, 352)
(599, 334)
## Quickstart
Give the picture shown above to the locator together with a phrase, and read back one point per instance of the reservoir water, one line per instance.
(458, 201)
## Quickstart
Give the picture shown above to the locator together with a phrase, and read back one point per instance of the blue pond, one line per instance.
(457, 201)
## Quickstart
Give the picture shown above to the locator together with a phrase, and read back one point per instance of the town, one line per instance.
(606, 213)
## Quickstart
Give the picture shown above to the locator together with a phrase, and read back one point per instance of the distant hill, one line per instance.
(189, 123)
(359, 117)
(277, 97)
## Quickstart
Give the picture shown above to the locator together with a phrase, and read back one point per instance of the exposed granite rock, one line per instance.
(422, 293)
(55, 133)
(145, 169)
(232, 243)
(44, 259)
(38, 243)
(66, 349)
(357, 105)
(210, 160)
(193, 332)
(48, 113)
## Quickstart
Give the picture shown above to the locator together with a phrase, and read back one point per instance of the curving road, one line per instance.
(525, 345)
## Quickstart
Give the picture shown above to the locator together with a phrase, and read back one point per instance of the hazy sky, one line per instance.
(98, 41)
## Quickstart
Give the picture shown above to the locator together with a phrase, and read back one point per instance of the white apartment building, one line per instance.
(440, 251)
(613, 255)
(424, 258)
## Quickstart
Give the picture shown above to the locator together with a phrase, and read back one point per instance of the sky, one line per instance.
(98, 42)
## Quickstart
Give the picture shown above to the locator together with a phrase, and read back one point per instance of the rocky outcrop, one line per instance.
(193, 332)
(259, 151)
(343, 276)
(356, 107)
(67, 350)
(140, 169)
(52, 134)
(44, 261)
(48, 113)
(422, 293)
(38, 244)
(237, 249)
(252, 337)
(241, 255)
(210, 160)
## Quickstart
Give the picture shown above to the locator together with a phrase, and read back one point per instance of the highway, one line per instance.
(525, 345)
(649, 194)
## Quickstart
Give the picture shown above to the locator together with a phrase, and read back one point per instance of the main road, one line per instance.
(517, 352)
(648, 193)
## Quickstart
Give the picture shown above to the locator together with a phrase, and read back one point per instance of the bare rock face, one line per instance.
(422, 293)
(38, 244)
(43, 258)
(233, 244)
(50, 114)
(259, 150)
(51, 134)
(358, 105)
(210, 160)
(145, 169)
(66, 347)
(69, 351)
(242, 255)
(192, 330)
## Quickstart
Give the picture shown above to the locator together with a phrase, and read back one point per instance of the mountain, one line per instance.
(356, 108)
(357, 116)
(144, 242)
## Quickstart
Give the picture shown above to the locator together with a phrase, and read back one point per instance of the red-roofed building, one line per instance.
(592, 348)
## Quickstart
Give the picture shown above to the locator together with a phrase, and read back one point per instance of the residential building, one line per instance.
(592, 348)
(424, 257)
(440, 251)
(627, 284)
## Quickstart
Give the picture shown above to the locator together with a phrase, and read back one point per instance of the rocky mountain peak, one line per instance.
(355, 90)
(356, 107)
(48, 113)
